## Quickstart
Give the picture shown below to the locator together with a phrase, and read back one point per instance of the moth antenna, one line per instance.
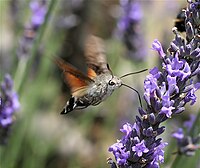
(135, 91)
(132, 73)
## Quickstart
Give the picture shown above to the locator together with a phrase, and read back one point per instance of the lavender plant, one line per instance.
(27, 43)
(129, 29)
(167, 91)
(9, 98)
(11, 154)
(9, 104)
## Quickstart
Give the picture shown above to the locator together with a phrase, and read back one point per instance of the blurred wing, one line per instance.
(77, 81)
(95, 54)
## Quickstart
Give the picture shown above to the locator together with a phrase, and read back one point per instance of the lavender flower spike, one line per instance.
(167, 91)
(38, 10)
(9, 105)
(129, 29)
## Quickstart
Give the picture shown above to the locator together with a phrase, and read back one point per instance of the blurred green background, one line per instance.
(40, 136)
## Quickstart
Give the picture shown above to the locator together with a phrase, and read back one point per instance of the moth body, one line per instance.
(102, 87)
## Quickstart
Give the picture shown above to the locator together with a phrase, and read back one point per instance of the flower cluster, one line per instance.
(187, 145)
(130, 29)
(166, 93)
(39, 10)
(9, 104)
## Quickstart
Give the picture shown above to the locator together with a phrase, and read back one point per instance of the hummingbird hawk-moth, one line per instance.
(97, 85)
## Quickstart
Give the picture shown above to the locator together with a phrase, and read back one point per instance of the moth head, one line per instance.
(114, 82)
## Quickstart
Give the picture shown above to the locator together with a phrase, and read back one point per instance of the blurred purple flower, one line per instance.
(189, 123)
(132, 13)
(128, 29)
(186, 144)
(39, 10)
(166, 93)
(179, 134)
(9, 105)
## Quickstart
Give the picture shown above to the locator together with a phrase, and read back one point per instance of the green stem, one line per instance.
(21, 67)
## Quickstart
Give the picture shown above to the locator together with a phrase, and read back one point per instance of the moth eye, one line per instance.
(111, 83)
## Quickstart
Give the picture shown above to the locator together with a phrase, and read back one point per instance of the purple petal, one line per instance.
(156, 45)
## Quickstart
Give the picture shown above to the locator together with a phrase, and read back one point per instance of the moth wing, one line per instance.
(78, 87)
(77, 81)
(95, 54)
(91, 73)
(80, 91)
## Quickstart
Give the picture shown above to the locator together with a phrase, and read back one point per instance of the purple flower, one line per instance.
(140, 148)
(132, 13)
(186, 144)
(190, 96)
(38, 13)
(158, 47)
(172, 82)
(178, 134)
(188, 124)
(167, 105)
(127, 128)
(120, 153)
(166, 92)
(158, 154)
(39, 10)
(128, 29)
(9, 105)
(179, 68)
